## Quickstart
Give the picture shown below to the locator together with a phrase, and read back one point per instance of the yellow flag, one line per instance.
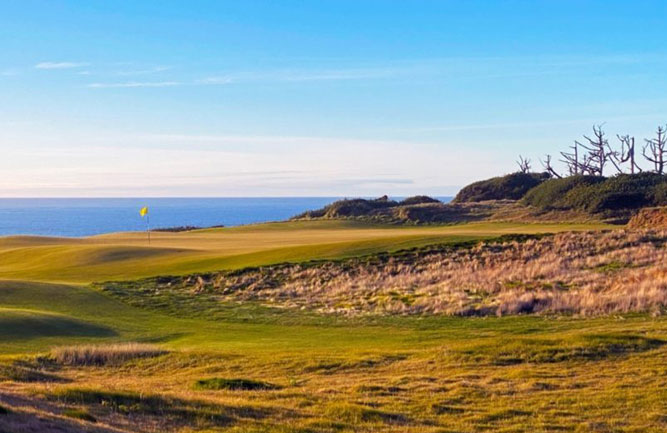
(143, 211)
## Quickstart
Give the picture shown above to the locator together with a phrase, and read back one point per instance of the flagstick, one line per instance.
(148, 224)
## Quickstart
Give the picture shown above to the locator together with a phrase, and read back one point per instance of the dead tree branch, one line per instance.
(549, 168)
(524, 164)
(598, 152)
(655, 150)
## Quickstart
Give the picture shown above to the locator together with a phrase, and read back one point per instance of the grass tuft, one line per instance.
(357, 414)
(110, 354)
(81, 414)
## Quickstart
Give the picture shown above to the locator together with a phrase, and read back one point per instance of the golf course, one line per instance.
(77, 357)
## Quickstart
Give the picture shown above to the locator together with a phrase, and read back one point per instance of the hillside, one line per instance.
(650, 218)
(613, 197)
(509, 187)
(419, 210)
(525, 197)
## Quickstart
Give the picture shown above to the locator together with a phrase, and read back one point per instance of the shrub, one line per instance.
(549, 193)
(349, 208)
(4, 410)
(599, 195)
(418, 199)
(660, 194)
(217, 383)
(510, 187)
(104, 354)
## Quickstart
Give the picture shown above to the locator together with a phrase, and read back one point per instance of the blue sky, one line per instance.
(319, 98)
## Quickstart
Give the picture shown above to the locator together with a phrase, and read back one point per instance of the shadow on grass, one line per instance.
(23, 325)
(167, 409)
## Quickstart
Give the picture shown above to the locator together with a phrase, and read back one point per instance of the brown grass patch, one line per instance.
(108, 354)
(568, 273)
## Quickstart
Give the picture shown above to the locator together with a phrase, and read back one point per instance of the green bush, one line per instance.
(511, 187)
(660, 194)
(598, 194)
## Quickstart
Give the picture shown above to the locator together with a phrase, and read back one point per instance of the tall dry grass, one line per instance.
(576, 273)
(107, 354)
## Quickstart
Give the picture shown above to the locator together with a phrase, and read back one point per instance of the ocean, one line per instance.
(93, 216)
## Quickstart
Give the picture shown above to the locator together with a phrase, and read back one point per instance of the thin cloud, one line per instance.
(304, 75)
(60, 65)
(133, 84)
(154, 70)
(215, 80)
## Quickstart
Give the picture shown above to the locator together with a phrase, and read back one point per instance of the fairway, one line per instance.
(129, 256)
(254, 368)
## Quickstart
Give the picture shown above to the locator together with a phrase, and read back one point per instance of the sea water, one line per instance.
(91, 216)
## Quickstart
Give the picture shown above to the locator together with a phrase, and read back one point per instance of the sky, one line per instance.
(313, 98)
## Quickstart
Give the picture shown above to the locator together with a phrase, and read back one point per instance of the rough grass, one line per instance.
(109, 354)
(571, 273)
(164, 413)
(26, 373)
(81, 414)
(539, 350)
(457, 374)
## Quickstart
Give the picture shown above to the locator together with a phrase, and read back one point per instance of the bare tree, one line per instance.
(655, 150)
(572, 160)
(627, 154)
(549, 168)
(524, 164)
(598, 152)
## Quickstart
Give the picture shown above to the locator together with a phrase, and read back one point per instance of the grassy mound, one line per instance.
(598, 195)
(510, 187)
(218, 383)
(418, 199)
(417, 210)
(348, 208)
